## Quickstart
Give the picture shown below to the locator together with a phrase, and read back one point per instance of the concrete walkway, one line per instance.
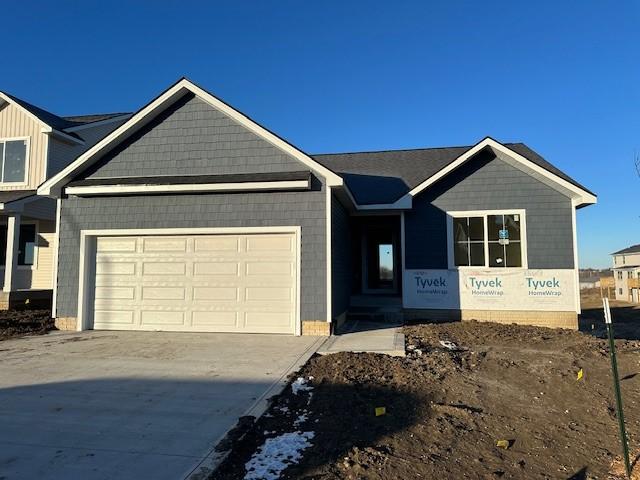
(366, 336)
(131, 405)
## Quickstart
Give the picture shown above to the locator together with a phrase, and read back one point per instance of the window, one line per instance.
(26, 245)
(488, 240)
(13, 161)
(620, 291)
(619, 275)
(629, 274)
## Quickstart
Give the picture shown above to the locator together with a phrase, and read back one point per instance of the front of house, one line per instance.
(192, 217)
(626, 274)
(34, 146)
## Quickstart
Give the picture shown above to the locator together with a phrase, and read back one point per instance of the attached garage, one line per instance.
(193, 282)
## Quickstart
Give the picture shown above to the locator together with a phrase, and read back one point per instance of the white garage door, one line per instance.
(200, 283)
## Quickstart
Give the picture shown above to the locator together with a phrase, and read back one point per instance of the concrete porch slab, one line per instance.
(365, 336)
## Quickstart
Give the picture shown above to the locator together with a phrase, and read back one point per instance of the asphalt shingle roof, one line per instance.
(61, 123)
(385, 176)
(631, 249)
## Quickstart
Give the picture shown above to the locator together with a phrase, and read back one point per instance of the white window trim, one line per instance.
(27, 154)
(36, 248)
(86, 272)
(485, 213)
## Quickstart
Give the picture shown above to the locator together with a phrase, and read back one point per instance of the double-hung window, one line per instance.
(492, 239)
(13, 160)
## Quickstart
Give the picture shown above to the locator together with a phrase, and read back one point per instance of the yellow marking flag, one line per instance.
(380, 411)
(502, 444)
(580, 374)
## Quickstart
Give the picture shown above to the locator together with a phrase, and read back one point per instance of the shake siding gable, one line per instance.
(193, 138)
(488, 183)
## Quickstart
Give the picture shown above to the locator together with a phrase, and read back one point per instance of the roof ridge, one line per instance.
(114, 114)
(391, 150)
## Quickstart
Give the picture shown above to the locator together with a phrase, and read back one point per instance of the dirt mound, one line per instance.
(447, 408)
(25, 322)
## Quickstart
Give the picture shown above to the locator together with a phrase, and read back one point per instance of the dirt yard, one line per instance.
(25, 322)
(446, 410)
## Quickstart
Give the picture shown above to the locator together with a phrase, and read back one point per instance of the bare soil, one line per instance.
(25, 322)
(446, 410)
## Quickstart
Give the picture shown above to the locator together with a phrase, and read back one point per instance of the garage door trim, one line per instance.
(88, 255)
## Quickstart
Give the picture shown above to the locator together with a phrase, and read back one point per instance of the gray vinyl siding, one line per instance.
(341, 263)
(489, 183)
(306, 209)
(62, 154)
(194, 138)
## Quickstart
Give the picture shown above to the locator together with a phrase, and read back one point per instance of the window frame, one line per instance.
(36, 248)
(485, 213)
(27, 154)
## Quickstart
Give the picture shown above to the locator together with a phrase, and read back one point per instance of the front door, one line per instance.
(380, 266)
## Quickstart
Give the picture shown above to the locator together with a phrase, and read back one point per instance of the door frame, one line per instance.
(398, 268)
(87, 263)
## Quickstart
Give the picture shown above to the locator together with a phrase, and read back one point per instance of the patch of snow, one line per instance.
(301, 419)
(300, 385)
(276, 454)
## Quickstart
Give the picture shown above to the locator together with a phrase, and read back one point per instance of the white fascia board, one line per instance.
(147, 113)
(187, 188)
(585, 198)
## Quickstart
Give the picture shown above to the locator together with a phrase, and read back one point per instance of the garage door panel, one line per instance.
(216, 269)
(116, 244)
(115, 293)
(263, 294)
(152, 318)
(163, 268)
(256, 268)
(227, 320)
(214, 294)
(219, 283)
(116, 268)
(220, 243)
(163, 293)
(119, 317)
(271, 243)
(164, 244)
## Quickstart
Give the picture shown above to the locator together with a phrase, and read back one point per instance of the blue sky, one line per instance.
(563, 77)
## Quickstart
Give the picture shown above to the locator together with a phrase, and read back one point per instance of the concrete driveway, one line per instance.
(131, 405)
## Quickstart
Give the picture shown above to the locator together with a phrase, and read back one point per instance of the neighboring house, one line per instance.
(34, 145)
(626, 273)
(192, 217)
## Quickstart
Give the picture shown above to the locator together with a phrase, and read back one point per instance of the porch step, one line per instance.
(386, 315)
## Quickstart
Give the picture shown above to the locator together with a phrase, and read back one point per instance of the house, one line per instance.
(35, 145)
(626, 273)
(193, 217)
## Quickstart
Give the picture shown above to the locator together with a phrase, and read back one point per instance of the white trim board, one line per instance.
(188, 188)
(88, 250)
(147, 113)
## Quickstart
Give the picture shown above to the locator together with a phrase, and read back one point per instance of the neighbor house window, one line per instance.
(13, 161)
(489, 239)
(629, 274)
(26, 245)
